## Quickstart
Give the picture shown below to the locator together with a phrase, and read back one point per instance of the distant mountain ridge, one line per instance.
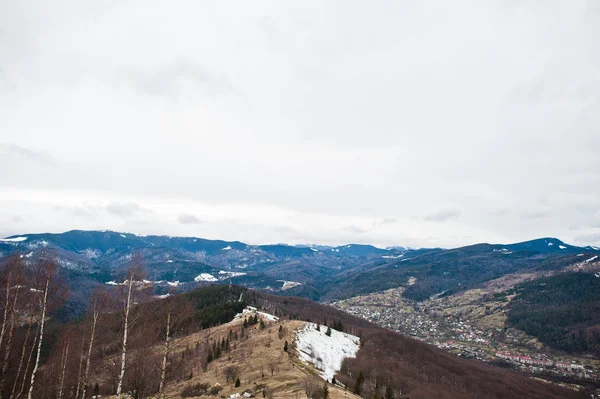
(318, 272)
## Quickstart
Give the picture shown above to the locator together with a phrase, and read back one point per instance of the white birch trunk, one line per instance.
(62, 371)
(6, 302)
(22, 358)
(124, 348)
(11, 329)
(89, 357)
(41, 337)
(163, 371)
(35, 338)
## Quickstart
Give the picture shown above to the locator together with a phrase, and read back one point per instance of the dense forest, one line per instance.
(563, 311)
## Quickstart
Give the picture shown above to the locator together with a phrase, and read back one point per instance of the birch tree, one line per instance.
(45, 275)
(9, 275)
(173, 311)
(31, 318)
(15, 267)
(134, 274)
(63, 364)
(99, 301)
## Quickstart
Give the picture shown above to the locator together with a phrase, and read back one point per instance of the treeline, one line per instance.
(563, 311)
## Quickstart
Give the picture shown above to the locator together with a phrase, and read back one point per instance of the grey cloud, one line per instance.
(356, 229)
(587, 239)
(186, 218)
(442, 215)
(125, 209)
(388, 220)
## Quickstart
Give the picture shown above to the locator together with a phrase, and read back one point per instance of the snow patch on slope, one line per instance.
(326, 353)
(205, 277)
(226, 274)
(288, 284)
(14, 239)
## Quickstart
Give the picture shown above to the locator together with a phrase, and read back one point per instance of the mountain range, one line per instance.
(318, 272)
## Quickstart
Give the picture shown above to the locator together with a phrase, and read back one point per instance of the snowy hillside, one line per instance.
(326, 353)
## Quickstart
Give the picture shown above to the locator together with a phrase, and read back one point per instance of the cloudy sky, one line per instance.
(428, 123)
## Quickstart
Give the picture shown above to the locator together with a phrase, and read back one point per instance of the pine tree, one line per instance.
(333, 381)
(318, 327)
(328, 332)
(325, 391)
(237, 382)
(262, 324)
(245, 322)
(285, 346)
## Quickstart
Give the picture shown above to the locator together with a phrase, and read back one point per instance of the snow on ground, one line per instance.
(14, 239)
(412, 280)
(550, 244)
(227, 248)
(289, 284)
(170, 261)
(173, 283)
(562, 247)
(205, 277)
(251, 310)
(579, 254)
(226, 274)
(123, 235)
(163, 296)
(591, 259)
(326, 353)
(392, 256)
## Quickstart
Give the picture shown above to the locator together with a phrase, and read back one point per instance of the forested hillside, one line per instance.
(562, 310)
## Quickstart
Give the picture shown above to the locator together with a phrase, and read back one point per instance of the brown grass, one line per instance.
(254, 354)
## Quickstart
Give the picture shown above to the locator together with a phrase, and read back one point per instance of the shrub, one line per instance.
(194, 390)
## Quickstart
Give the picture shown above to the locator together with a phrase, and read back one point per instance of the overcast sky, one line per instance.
(429, 123)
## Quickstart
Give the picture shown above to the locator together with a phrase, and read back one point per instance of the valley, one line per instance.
(474, 324)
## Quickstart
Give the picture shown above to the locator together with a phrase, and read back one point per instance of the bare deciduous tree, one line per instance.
(45, 276)
(231, 373)
(173, 312)
(134, 275)
(15, 270)
(97, 305)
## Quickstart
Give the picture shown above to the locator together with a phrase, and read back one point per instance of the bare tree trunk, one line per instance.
(79, 375)
(124, 347)
(63, 367)
(6, 306)
(35, 338)
(41, 337)
(89, 357)
(11, 328)
(22, 358)
(163, 370)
